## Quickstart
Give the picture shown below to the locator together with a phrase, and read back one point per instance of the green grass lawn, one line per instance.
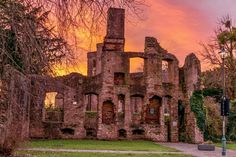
(228, 146)
(98, 145)
(62, 154)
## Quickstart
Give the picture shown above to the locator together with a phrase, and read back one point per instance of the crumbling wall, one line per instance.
(110, 102)
(94, 62)
(111, 63)
(14, 107)
(191, 71)
(116, 80)
(171, 90)
(71, 125)
(155, 85)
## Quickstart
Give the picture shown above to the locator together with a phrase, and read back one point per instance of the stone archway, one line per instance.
(91, 133)
(138, 133)
(153, 110)
(108, 112)
(122, 133)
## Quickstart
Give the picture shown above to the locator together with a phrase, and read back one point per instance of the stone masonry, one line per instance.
(111, 102)
(14, 107)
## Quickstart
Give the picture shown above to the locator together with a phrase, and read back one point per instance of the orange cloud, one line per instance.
(179, 26)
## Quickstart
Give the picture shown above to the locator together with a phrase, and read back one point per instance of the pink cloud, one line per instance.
(179, 25)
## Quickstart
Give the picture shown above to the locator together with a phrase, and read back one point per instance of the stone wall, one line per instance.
(72, 110)
(14, 107)
(192, 72)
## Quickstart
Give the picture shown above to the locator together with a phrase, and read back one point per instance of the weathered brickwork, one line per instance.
(192, 71)
(111, 102)
(14, 107)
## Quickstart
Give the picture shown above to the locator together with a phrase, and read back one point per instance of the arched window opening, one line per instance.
(165, 71)
(153, 110)
(122, 133)
(136, 103)
(108, 112)
(91, 102)
(121, 103)
(167, 105)
(94, 68)
(91, 133)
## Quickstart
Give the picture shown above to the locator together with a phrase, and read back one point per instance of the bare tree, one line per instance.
(225, 36)
(26, 42)
(83, 21)
(86, 14)
(31, 21)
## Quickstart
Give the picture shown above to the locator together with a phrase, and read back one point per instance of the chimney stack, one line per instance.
(114, 40)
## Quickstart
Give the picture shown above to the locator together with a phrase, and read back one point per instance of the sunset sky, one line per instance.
(179, 26)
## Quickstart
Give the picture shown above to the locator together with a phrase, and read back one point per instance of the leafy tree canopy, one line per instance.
(225, 36)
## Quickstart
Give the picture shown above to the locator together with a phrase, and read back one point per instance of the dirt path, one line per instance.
(192, 150)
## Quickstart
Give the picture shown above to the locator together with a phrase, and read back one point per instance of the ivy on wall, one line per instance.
(197, 107)
(200, 110)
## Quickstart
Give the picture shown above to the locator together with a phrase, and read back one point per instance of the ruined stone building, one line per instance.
(109, 103)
